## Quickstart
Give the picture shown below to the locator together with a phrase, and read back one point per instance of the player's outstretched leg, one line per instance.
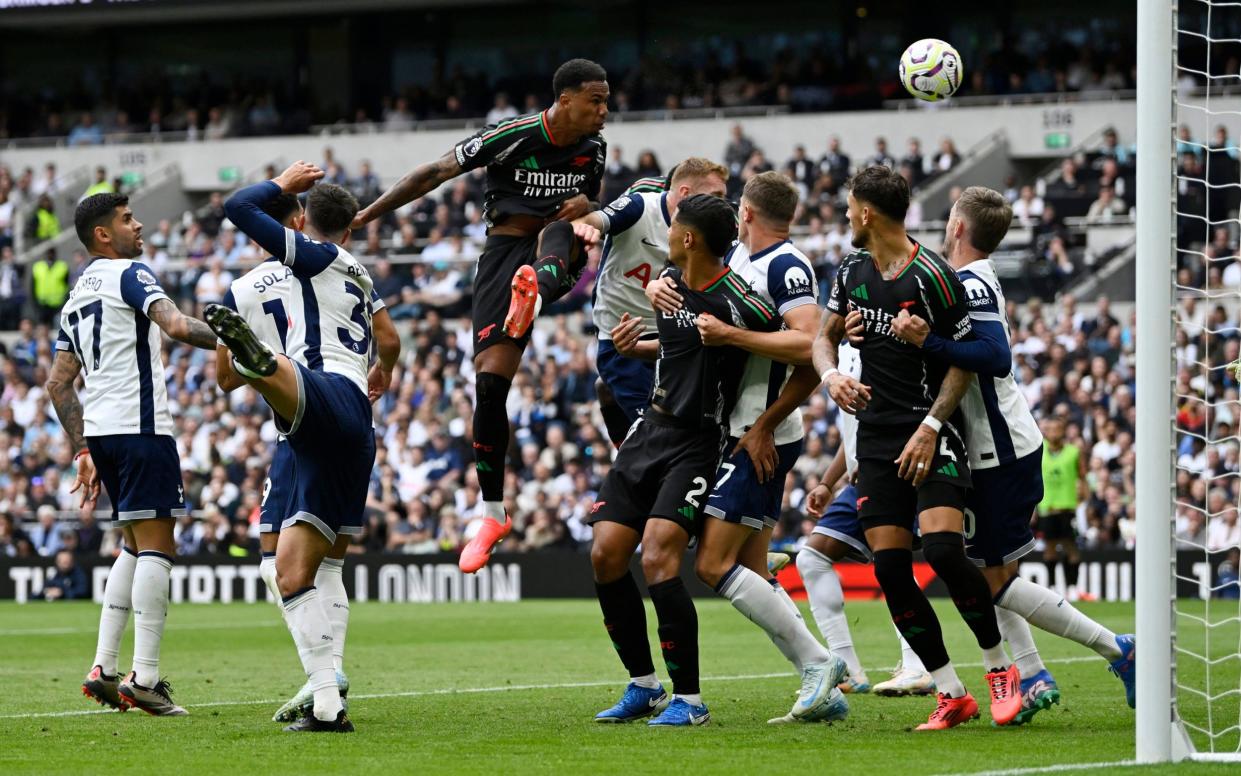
(1050, 611)
(253, 358)
(945, 551)
(827, 604)
(103, 681)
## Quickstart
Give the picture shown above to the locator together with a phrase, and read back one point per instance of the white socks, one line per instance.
(1051, 612)
(783, 646)
(947, 682)
(312, 633)
(649, 682)
(909, 659)
(267, 570)
(693, 700)
(150, 604)
(115, 614)
(753, 597)
(1016, 631)
(494, 510)
(994, 658)
(827, 604)
(330, 582)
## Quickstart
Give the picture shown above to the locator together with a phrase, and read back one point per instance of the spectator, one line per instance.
(366, 187)
(68, 582)
(46, 536)
(835, 162)
(48, 184)
(49, 280)
(916, 162)
(1068, 184)
(801, 169)
(218, 125)
(44, 225)
(947, 158)
(1028, 208)
(648, 166)
(101, 185)
(1224, 532)
(213, 284)
(12, 291)
(86, 132)
(881, 156)
(1107, 206)
(500, 109)
(616, 175)
(738, 151)
(399, 118)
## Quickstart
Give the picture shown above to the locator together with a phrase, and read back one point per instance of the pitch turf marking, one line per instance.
(1054, 768)
(169, 627)
(501, 688)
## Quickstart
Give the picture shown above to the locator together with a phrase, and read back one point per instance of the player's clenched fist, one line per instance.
(910, 328)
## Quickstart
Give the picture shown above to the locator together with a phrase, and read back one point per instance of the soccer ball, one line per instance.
(931, 70)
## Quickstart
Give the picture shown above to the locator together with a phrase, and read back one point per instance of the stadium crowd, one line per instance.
(804, 71)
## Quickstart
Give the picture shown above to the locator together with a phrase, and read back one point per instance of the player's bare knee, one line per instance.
(608, 566)
(659, 564)
(710, 569)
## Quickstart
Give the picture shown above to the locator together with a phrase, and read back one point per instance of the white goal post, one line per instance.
(1155, 267)
(1191, 708)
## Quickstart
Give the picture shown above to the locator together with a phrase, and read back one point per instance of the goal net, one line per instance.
(1204, 534)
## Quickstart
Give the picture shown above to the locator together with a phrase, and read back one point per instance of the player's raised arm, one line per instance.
(791, 345)
(245, 210)
(418, 182)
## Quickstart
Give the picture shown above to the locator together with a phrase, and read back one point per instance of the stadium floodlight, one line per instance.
(1189, 660)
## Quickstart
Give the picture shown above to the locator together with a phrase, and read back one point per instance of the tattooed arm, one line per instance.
(181, 327)
(421, 180)
(68, 408)
(951, 391)
(64, 398)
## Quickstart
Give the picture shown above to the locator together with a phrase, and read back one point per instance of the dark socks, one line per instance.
(616, 420)
(1051, 572)
(625, 618)
(552, 267)
(491, 433)
(945, 551)
(910, 610)
(1071, 570)
(678, 634)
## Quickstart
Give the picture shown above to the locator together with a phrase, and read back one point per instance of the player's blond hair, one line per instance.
(696, 168)
(773, 195)
(987, 216)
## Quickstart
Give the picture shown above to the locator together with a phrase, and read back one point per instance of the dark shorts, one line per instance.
(502, 256)
(333, 447)
(841, 522)
(661, 471)
(275, 505)
(629, 379)
(141, 473)
(1057, 526)
(999, 509)
(740, 498)
(885, 498)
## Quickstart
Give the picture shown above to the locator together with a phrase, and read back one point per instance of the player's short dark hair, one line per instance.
(712, 217)
(283, 206)
(95, 210)
(330, 209)
(576, 72)
(988, 216)
(772, 194)
(882, 188)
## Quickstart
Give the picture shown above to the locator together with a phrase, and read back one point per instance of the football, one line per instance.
(931, 70)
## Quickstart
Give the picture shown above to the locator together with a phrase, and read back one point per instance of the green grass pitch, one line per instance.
(511, 688)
